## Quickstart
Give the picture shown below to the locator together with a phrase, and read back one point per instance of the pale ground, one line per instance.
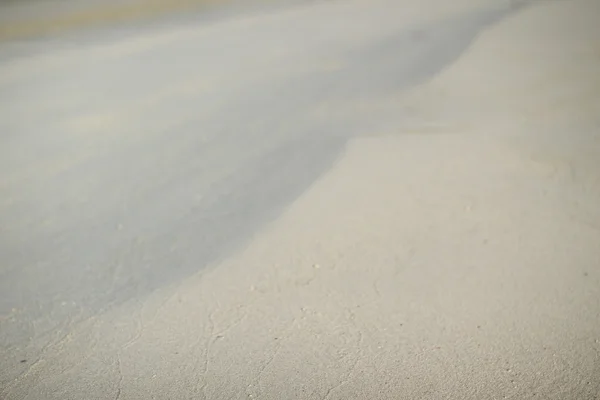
(453, 255)
(22, 19)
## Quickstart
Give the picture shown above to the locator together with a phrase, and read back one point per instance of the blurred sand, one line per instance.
(25, 19)
(455, 258)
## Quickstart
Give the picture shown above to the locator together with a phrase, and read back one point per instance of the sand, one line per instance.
(453, 256)
(21, 20)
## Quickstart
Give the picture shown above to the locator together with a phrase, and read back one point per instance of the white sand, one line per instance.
(459, 260)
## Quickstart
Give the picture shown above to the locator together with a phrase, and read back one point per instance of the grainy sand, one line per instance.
(453, 257)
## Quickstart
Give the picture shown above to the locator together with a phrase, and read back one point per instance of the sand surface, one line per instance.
(22, 20)
(452, 251)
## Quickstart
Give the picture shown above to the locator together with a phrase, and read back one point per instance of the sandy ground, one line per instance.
(26, 19)
(452, 251)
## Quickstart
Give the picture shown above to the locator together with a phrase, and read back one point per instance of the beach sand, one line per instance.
(454, 255)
